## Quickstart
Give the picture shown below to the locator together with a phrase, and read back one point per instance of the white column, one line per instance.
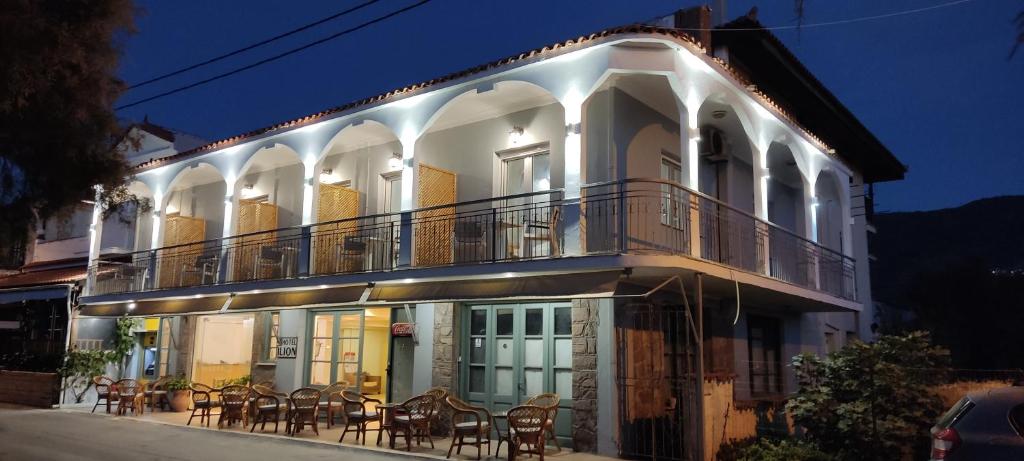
(309, 168)
(571, 229)
(406, 240)
(761, 173)
(689, 138)
(96, 227)
(157, 227)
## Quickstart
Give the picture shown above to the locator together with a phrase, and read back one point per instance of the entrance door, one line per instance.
(517, 351)
(336, 348)
(400, 366)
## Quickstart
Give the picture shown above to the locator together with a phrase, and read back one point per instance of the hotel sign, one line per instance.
(287, 347)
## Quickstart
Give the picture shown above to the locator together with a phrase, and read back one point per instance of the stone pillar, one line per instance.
(584, 374)
(445, 363)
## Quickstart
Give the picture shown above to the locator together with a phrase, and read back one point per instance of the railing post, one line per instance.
(623, 239)
(494, 234)
(762, 236)
(693, 209)
(405, 240)
(305, 247)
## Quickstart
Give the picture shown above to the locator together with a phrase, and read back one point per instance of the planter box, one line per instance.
(40, 390)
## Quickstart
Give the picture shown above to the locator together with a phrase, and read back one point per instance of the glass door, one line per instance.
(517, 351)
(336, 348)
(400, 365)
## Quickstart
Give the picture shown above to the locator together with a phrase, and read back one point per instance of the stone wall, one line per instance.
(262, 369)
(27, 388)
(446, 350)
(185, 338)
(584, 374)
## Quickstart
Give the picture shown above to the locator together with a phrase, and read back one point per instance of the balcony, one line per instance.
(625, 217)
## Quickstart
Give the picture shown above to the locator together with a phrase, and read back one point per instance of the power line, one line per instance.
(274, 57)
(254, 45)
(836, 22)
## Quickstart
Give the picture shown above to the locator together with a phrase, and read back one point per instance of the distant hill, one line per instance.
(989, 232)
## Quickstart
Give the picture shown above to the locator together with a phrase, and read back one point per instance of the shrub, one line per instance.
(772, 450)
(178, 383)
(870, 401)
(79, 367)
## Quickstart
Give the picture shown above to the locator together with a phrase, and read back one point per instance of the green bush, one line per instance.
(79, 368)
(178, 383)
(772, 450)
(871, 401)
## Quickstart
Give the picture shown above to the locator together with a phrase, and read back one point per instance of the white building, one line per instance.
(534, 217)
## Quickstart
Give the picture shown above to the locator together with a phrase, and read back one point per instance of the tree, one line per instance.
(80, 366)
(57, 89)
(870, 401)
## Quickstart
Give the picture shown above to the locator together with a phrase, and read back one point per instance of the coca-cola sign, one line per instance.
(402, 329)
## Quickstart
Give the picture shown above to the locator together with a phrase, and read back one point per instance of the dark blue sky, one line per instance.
(936, 87)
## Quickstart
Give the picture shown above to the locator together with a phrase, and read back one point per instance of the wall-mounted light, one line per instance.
(814, 202)
(395, 162)
(249, 191)
(719, 114)
(131, 306)
(515, 135)
(171, 209)
(327, 176)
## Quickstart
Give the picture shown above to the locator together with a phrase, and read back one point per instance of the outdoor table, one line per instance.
(387, 415)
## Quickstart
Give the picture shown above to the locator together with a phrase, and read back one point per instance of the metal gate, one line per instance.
(657, 361)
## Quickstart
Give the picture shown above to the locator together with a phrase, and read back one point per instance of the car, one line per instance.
(986, 425)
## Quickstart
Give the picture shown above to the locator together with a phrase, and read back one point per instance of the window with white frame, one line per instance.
(525, 170)
(673, 204)
(392, 191)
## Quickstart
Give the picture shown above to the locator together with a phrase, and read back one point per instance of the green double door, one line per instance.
(516, 351)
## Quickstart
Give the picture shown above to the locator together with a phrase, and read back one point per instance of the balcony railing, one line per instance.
(632, 216)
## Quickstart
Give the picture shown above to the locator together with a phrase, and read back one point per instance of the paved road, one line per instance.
(63, 435)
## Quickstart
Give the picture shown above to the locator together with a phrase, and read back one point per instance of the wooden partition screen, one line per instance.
(180, 230)
(435, 233)
(335, 203)
(253, 216)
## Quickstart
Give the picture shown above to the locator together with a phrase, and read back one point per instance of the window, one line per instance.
(673, 203)
(764, 340)
(830, 342)
(525, 171)
(273, 329)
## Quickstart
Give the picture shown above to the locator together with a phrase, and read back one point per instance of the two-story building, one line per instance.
(605, 218)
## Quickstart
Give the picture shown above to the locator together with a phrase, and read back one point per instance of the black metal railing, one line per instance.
(630, 216)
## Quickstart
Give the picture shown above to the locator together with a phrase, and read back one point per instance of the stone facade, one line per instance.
(584, 374)
(445, 365)
(262, 369)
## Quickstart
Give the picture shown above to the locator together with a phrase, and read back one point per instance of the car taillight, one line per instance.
(944, 442)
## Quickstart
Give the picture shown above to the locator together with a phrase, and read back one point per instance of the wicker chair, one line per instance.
(439, 394)
(550, 402)
(234, 402)
(203, 403)
(267, 406)
(356, 415)
(304, 405)
(331, 403)
(105, 392)
(526, 427)
(471, 421)
(130, 396)
(413, 420)
(155, 394)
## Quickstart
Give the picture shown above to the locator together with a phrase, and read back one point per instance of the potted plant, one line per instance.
(178, 393)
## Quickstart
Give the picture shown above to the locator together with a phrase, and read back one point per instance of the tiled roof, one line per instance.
(44, 277)
(526, 55)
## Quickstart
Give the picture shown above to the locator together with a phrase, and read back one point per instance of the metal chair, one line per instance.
(470, 245)
(130, 396)
(205, 266)
(526, 427)
(202, 403)
(105, 392)
(234, 402)
(356, 414)
(334, 405)
(550, 402)
(468, 420)
(304, 405)
(350, 255)
(414, 420)
(268, 406)
(269, 257)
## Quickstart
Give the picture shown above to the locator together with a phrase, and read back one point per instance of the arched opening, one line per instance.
(131, 228)
(726, 161)
(193, 211)
(785, 190)
(829, 211)
(272, 178)
(359, 174)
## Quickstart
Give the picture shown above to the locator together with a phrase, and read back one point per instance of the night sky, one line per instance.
(936, 87)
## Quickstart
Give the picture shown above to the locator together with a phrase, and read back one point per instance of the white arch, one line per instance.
(452, 100)
(347, 129)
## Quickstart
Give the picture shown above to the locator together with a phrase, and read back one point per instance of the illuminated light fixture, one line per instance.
(752, 87)
(508, 275)
(171, 209)
(719, 114)
(197, 296)
(131, 305)
(256, 292)
(395, 162)
(814, 202)
(515, 135)
(327, 176)
(408, 280)
(323, 287)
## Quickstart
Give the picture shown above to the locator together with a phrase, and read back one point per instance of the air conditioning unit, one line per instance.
(713, 146)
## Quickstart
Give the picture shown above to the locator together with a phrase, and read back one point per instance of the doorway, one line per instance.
(352, 346)
(223, 349)
(516, 351)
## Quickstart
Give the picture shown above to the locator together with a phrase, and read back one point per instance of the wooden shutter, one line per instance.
(335, 203)
(253, 216)
(179, 230)
(436, 228)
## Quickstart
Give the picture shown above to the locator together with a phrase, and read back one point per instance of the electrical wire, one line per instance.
(254, 45)
(274, 57)
(832, 23)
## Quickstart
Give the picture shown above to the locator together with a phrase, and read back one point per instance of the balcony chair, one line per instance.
(270, 257)
(203, 403)
(332, 404)
(357, 416)
(470, 245)
(126, 278)
(234, 402)
(268, 406)
(205, 267)
(541, 232)
(468, 420)
(412, 418)
(106, 392)
(130, 397)
(304, 405)
(350, 255)
(549, 402)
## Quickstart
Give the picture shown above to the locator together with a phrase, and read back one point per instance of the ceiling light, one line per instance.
(131, 305)
(719, 114)
(395, 162)
(515, 135)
